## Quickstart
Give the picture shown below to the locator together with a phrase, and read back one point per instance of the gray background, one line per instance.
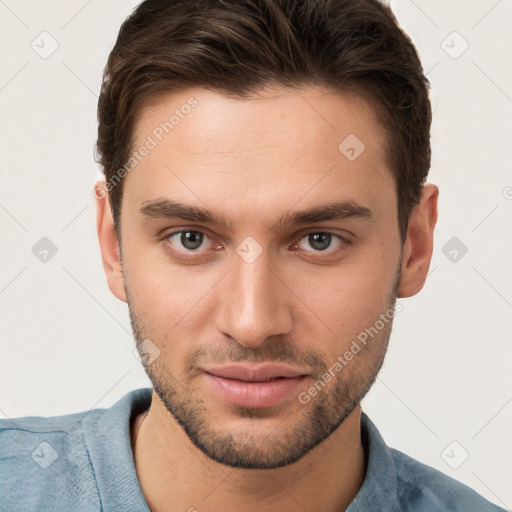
(445, 391)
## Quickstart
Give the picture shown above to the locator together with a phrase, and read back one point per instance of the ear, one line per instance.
(109, 244)
(417, 250)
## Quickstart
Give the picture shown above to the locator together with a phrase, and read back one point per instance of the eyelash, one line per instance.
(191, 253)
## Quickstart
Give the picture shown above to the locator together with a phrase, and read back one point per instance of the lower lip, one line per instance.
(253, 394)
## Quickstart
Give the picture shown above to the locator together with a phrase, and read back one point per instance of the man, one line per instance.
(265, 203)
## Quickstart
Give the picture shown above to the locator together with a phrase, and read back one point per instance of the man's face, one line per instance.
(215, 300)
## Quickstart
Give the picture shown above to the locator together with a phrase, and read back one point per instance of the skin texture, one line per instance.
(253, 161)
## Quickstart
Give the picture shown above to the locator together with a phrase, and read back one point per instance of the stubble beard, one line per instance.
(283, 444)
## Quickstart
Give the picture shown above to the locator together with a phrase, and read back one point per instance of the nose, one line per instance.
(254, 302)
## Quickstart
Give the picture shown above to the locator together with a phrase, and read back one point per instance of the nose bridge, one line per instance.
(254, 304)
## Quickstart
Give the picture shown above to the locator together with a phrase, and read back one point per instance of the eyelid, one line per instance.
(332, 232)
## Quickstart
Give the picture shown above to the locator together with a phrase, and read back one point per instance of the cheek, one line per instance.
(167, 297)
(346, 302)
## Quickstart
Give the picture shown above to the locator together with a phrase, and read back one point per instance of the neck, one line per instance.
(171, 470)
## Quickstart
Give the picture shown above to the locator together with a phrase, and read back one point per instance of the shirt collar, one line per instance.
(109, 442)
(379, 490)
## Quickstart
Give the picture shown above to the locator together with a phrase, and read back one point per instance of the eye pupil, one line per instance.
(191, 239)
(320, 241)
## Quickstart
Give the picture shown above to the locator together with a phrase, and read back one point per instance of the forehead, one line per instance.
(281, 146)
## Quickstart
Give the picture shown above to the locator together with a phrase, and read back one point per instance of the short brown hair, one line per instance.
(239, 46)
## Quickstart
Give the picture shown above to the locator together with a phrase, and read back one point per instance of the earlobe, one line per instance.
(109, 244)
(417, 250)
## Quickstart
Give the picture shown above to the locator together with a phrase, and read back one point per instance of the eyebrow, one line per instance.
(338, 210)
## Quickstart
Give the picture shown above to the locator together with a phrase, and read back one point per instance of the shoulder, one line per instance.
(81, 462)
(51, 456)
(423, 488)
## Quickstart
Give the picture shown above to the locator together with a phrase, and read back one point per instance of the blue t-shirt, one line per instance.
(84, 462)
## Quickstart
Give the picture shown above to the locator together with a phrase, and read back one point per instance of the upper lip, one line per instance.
(254, 373)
